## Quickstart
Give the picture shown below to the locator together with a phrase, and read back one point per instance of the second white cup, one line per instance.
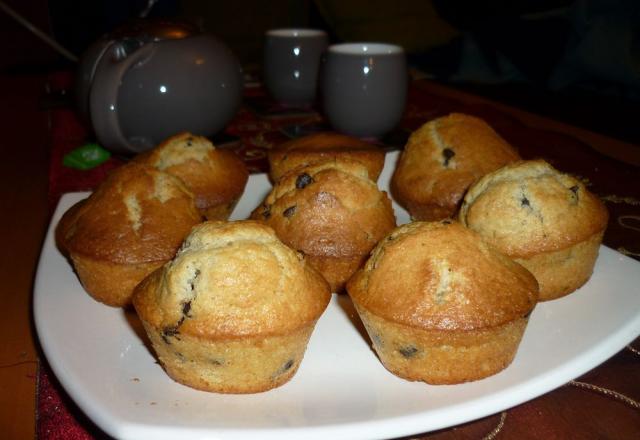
(364, 87)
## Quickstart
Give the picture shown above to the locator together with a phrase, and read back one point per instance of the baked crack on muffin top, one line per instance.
(443, 276)
(209, 288)
(217, 177)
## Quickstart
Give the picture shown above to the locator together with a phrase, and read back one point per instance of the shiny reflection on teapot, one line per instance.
(150, 80)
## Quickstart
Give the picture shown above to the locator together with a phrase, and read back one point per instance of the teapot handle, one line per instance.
(103, 97)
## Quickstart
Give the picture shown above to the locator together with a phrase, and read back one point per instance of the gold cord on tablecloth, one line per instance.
(584, 386)
(495, 431)
(606, 391)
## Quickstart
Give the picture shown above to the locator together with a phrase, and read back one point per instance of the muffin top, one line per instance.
(323, 146)
(215, 176)
(446, 155)
(232, 279)
(330, 208)
(442, 276)
(530, 207)
(137, 215)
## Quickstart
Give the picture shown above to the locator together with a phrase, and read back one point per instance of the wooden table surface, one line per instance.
(23, 197)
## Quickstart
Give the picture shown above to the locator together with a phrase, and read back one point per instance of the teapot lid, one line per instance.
(155, 30)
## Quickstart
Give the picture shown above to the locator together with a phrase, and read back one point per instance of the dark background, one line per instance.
(575, 61)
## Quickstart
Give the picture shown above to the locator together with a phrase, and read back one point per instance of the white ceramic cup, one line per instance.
(364, 87)
(291, 63)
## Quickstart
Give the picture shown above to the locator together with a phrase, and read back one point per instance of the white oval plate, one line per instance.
(341, 390)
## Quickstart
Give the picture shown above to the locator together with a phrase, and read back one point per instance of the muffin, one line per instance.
(440, 305)
(216, 177)
(132, 224)
(442, 159)
(322, 146)
(332, 212)
(234, 310)
(544, 219)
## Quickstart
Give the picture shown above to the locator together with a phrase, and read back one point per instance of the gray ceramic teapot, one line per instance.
(152, 79)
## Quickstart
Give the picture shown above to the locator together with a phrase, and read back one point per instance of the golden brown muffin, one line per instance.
(323, 146)
(544, 219)
(132, 224)
(441, 159)
(440, 305)
(330, 211)
(216, 177)
(234, 310)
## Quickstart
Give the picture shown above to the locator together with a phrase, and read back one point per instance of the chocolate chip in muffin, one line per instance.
(448, 154)
(266, 211)
(574, 189)
(408, 351)
(166, 334)
(172, 331)
(192, 281)
(303, 180)
(186, 308)
(289, 211)
(189, 141)
(531, 210)
(284, 368)
(287, 365)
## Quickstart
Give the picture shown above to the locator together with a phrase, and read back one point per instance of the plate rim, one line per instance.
(405, 424)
